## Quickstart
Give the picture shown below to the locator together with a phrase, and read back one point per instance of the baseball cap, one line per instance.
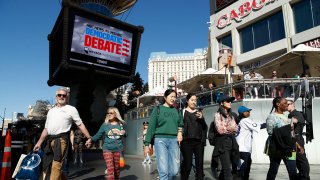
(227, 98)
(145, 123)
(243, 109)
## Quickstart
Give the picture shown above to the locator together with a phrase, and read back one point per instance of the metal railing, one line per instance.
(246, 89)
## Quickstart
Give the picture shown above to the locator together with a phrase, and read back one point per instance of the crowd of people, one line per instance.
(250, 90)
(178, 139)
(231, 135)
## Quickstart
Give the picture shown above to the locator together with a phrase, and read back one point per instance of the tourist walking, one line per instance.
(78, 146)
(166, 126)
(245, 138)
(226, 147)
(194, 138)
(56, 135)
(112, 129)
(302, 160)
(280, 144)
(147, 159)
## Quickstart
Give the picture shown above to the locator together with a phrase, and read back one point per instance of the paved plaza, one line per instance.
(94, 166)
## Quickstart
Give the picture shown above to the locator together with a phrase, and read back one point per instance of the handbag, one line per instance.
(122, 162)
(18, 166)
(30, 166)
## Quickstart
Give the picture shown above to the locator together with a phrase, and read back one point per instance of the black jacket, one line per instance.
(283, 140)
(219, 147)
(54, 153)
(194, 128)
(298, 128)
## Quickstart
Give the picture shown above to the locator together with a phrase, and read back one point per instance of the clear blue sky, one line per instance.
(174, 26)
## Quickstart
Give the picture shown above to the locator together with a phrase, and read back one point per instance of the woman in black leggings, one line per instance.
(194, 138)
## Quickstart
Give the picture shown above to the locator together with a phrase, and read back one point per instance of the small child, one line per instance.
(244, 139)
(144, 133)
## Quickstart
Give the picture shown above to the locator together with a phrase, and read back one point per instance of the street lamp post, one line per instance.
(174, 79)
(1, 137)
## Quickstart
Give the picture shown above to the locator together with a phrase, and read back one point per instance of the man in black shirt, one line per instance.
(302, 161)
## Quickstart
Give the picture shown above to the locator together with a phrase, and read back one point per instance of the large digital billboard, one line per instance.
(82, 40)
(101, 41)
(105, 46)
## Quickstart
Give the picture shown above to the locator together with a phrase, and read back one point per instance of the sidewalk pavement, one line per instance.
(94, 167)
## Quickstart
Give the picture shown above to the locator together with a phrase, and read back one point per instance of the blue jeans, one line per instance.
(168, 157)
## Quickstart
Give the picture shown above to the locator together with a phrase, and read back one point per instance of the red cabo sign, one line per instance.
(244, 10)
(315, 43)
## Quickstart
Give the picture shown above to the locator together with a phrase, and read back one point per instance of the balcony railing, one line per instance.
(247, 89)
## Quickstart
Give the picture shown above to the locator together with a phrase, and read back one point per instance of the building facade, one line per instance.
(163, 66)
(258, 31)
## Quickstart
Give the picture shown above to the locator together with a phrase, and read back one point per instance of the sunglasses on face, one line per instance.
(62, 95)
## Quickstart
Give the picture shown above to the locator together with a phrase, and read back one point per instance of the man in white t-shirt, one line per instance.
(56, 135)
(244, 139)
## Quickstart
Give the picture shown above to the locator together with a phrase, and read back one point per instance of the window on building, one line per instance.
(264, 32)
(225, 42)
(276, 27)
(306, 14)
(261, 33)
(246, 39)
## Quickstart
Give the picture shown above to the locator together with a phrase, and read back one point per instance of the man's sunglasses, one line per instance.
(62, 95)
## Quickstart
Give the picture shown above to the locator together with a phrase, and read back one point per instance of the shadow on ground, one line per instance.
(129, 177)
(101, 177)
(80, 173)
(126, 167)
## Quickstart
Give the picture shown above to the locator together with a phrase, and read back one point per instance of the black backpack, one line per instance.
(212, 134)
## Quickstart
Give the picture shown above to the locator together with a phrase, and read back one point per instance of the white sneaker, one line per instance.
(149, 161)
(144, 161)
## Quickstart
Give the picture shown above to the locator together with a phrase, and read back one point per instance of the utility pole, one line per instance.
(4, 116)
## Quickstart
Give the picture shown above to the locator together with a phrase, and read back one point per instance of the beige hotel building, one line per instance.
(184, 66)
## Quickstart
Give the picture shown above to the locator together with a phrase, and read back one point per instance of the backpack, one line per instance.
(212, 134)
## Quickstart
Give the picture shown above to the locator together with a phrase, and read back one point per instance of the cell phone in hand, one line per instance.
(199, 109)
